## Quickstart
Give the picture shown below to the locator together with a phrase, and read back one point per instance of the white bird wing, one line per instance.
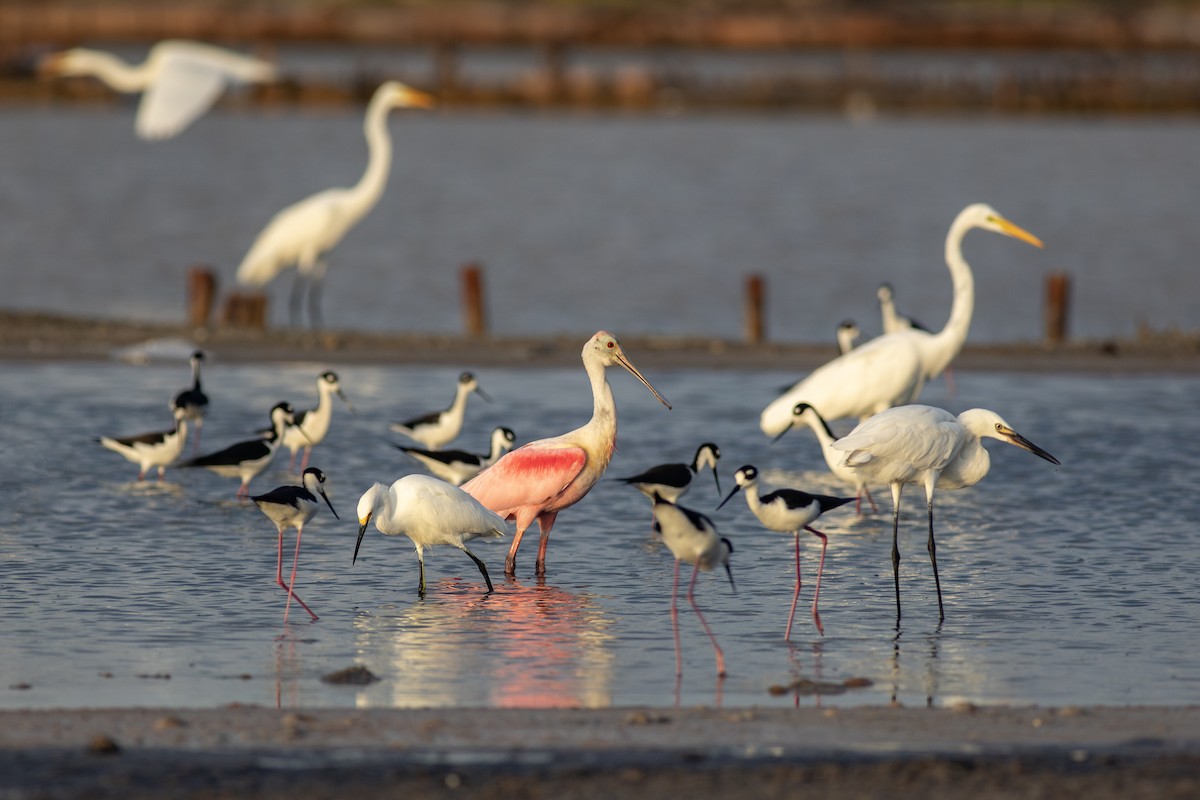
(454, 508)
(188, 79)
(918, 437)
(297, 235)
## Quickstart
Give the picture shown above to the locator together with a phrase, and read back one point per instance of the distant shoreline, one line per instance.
(44, 336)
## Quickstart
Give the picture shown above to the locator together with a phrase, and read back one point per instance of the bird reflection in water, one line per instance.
(526, 646)
(932, 670)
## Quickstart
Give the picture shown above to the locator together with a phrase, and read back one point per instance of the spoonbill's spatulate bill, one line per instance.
(930, 447)
(540, 479)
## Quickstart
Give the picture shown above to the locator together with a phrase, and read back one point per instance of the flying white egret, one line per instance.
(292, 507)
(789, 511)
(179, 80)
(429, 512)
(891, 370)
(302, 234)
(928, 446)
(692, 538)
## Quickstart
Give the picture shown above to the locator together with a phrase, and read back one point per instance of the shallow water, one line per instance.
(1063, 585)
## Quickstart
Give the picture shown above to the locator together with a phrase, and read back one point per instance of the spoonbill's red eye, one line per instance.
(611, 345)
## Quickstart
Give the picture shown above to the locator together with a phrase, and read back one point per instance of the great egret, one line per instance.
(302, 234)
(456, 467)
(293, 507)
(928, 446)
(693, 539)
(540, 479)
(179, 80)
(789, 511)
(891, 370)
(439, 428)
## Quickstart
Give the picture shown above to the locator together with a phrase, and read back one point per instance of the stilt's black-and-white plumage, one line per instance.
(789, 511)
(246, 459)
(456, 467)
(293, 507)
(671, 481)
(439, 428)
(193, 401)
(310, 426)
(149, 450)
(847, 335)
(692, 538)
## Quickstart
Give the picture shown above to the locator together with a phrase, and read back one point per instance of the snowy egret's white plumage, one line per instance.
(931, 447)
(439, 428)
(179, 80)
(430, 512)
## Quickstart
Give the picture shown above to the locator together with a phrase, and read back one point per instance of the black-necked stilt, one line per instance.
(309, 427)
(193, 401)
(806, 414)
(671, 481)
(179, 80)
(789, 511)
(692, 538)
(293, 507)
(892, 369)
(931, 447)
(847, 335)
(302, 234)
(441, 427)
(246, 459)
(456, 467)
(430, 512)
(151, 449)
(540, 479)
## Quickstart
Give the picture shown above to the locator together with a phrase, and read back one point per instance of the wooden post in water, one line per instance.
(474, 317)
(446, 60)
(201, 292)
(246, 310)
(755, 321)
(1058, 295)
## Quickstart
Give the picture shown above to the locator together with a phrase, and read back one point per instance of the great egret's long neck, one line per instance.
(949, 340)
(112, 70)
(370, 186)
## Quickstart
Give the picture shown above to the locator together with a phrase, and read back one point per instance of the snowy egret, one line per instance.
(439, 428)
(806, 414)
(928, 446)
(540, 479)
(671, 481)
(246, 459)
(302, 234)
(151, 449)
(293, 507)
(309, 427)
(789, 511)
(891, 370)
(429, 512)
(193, 401)
(692, 538)
(456, 467)
(179, 80)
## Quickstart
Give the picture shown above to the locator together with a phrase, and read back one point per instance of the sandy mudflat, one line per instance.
(655, 753)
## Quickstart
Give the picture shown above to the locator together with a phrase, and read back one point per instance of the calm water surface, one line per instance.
(1067, 585)
(643, 224)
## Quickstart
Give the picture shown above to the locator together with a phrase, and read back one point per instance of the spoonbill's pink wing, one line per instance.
(528, 476)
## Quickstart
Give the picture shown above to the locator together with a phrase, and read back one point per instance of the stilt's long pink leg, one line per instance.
(692, 600)
(820, 569)
(675, 621)
(795, 595)
(287, 586)
(304, 461)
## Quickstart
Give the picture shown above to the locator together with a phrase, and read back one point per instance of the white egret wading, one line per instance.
(929, 447)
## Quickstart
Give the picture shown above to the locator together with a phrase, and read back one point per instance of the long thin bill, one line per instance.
(361, 530)
(1017, 232)
(326, 498)
(627, 364)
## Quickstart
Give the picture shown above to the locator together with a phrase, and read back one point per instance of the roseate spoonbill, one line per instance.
(439, 428)
(928, 446)
(806, 414)
(309, 427)
(692, 538)
(891, 370)
(789, 511)
(179, 80)
(429, 512)
(151, 449)
(302, 234)
(847, 335)
(193, 401)
(293, 507)
(246, 459)
(456, 467)
(671, 481)
(540, 479)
